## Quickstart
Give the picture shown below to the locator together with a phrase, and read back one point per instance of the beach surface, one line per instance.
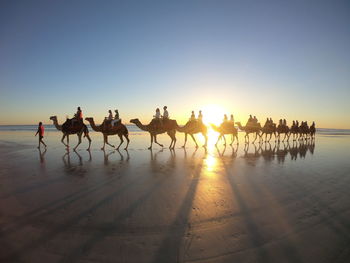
(287, 202)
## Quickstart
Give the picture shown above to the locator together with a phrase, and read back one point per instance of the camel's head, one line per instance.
(89, 119)
(53, 118)
(134, 121)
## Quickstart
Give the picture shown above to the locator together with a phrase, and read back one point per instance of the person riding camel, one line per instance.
(255, 120)
(225, 118)
(200, 116)
(193, 117)
(165, 113)
(108, 119)
(78, 116)
(157, 119)
(116, 118)
(267, 123)
(232, 119)
(284, 123)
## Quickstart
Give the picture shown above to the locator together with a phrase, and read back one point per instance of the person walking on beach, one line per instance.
(40, 131)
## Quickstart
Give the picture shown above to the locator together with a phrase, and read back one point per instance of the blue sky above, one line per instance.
(270, 58)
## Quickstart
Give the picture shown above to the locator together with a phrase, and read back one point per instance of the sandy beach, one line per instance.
(287, 202)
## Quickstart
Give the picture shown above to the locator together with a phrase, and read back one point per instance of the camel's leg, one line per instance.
(67, 140)
(218, 139)
(79, 140)
(194, 139)
(173, 139)
(223, 136)
(155, 140)
(89, 139)
(237, 139)
(206, 140)
(127, 141)
(108, 142)
(121, 140)
(245, 138)
(185, 140)
(150, 148)
(232, 139)
(104, 142)
(62, 140)
(256, 135)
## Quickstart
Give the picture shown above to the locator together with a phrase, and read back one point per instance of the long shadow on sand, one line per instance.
(169, 251)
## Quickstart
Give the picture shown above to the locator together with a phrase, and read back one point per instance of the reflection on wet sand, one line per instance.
(279, 151)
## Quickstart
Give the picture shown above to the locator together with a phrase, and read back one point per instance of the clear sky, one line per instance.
(280, 58)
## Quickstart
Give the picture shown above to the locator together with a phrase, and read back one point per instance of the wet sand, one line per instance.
(274, 203)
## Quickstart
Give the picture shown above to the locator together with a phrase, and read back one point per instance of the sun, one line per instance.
(213, 114)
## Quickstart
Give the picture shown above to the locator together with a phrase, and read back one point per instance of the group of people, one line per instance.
(252, 121)
(110, 120)
(199, 118)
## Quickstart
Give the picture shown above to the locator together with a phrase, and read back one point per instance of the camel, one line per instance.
(295, 131)
(78, 129)
(191, 128)
(312, 131)
(154, 129)
(250, 129)
(268, 129)
(283, 129)
(119, 129)
(226, 128)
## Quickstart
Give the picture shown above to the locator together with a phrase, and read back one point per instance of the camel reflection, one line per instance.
(279, 151)
(107, 155)
(73, 168)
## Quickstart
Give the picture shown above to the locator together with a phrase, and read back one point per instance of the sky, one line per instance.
(279, 59)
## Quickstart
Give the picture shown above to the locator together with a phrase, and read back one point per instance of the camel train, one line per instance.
(162, 124)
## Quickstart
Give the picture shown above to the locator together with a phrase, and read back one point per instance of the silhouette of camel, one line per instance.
(226, 128)
(283, 129)
(193, 127)
(250, 129)
(268, 129)
(77, 129)
(169, 127)
(312, 131)
(295, 131)
(107, 130)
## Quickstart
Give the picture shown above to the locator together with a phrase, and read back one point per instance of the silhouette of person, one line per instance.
(271, 121)
(193, 117)
(157, 116)
(200, 116)
(255, 120)
(225, 118)
(165, 113)
(232, 119)
(40, 131)
(250, 118)
(110, 115)
(78, 116)
(116, 118)
(284, 122)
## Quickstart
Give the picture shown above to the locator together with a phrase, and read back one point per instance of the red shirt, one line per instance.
(41, 130)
